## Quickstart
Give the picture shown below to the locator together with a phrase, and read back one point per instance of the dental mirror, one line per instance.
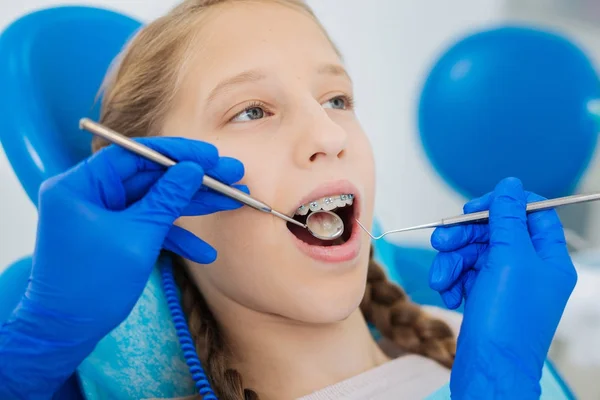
(325, 225)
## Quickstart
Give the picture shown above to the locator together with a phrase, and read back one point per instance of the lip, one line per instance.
(335, 254)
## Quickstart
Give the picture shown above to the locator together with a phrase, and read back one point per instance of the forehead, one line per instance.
(265, 35)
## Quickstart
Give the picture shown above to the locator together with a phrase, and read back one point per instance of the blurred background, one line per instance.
(449, 92)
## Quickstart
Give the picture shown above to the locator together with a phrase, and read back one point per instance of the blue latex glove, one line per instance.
(101, 228)
(516, 277)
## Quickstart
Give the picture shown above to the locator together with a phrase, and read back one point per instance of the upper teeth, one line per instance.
(326, 203)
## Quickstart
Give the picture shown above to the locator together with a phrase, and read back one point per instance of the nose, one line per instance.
(320, 140)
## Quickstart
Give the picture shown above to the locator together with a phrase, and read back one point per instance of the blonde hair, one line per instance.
(136, 99)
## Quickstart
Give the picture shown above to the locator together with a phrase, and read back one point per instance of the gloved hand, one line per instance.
(101, 228)
(516, 276)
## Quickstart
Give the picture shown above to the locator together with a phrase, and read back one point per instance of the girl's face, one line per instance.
(267, 87)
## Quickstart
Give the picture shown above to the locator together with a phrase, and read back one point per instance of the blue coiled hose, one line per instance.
(183, 333)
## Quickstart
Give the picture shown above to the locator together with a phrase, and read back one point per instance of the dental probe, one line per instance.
(483, 216)
(158, 158)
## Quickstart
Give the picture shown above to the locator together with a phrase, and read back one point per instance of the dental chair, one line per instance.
(52, 63)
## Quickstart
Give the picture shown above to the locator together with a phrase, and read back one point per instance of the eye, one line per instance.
(253, 112)
(339, 103)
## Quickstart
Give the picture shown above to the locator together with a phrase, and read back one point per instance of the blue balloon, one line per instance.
(510, 102)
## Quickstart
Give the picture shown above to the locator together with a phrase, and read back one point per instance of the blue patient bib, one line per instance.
(141, 358)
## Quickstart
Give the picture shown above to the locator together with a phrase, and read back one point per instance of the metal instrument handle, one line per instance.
(159, 158)
(482, 216)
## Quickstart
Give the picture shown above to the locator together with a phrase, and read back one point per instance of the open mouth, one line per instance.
(342, 205)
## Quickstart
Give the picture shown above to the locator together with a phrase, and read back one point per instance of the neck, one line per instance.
(272, 353)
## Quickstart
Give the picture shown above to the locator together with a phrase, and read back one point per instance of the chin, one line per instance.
(328, 314)
(330, 302)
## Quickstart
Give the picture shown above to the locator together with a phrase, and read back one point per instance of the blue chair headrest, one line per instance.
(52, 64)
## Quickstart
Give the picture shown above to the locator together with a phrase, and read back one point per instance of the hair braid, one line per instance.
(227, 382)
(387, 306)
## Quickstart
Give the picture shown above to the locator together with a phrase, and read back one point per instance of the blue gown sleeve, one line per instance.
(553, 388)
(13, 282)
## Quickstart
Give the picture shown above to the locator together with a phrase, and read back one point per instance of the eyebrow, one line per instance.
(258, 75)
(335, 70)
(244, 77)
